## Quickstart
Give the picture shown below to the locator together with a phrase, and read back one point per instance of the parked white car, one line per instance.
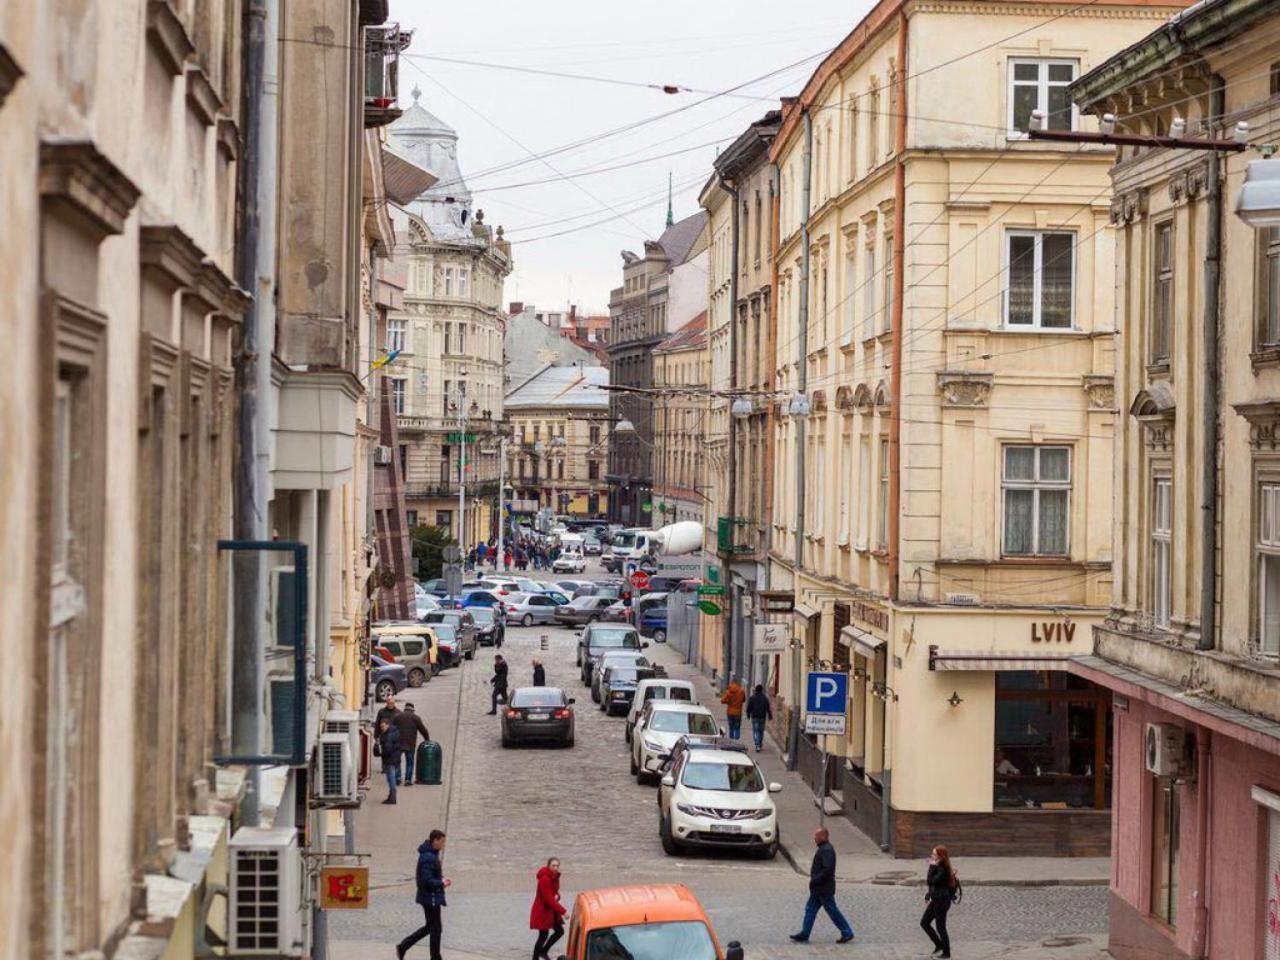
(658, 688)
(716, 797)
(569, 563)
(661, 724)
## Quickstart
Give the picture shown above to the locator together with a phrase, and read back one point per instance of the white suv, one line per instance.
(716, 797)
(660, 725)
(657, 688)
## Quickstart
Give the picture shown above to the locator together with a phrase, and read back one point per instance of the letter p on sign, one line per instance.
(827, 693)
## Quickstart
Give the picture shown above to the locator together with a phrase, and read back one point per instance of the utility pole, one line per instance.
(463, 414)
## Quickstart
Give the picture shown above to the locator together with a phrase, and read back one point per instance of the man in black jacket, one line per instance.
(431, 884)
(410, 725)
(499, 682)
(822, 891)
(539, 674)
(389, 712)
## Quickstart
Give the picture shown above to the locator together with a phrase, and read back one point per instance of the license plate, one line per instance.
(539, 716)
(725, 828)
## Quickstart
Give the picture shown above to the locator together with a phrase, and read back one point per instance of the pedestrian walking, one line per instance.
(499, 682)
(431, 883)
(389, 750)
(940, 892)
(759, 711)
(547, 913)
(409, 725)
(822, 891)
(539, 674)
(733, 698)
(388, 712)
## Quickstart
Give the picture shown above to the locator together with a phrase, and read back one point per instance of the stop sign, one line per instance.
(640, 580)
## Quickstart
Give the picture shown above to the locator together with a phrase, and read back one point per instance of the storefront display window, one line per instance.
(1052, 742)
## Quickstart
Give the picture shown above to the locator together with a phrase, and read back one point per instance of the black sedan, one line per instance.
(543, 714)
(491, 626)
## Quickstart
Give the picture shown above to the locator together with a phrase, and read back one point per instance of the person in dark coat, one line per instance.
(539, 674)
(389, 750)
(940, 887)
(389, 712)
(759, 711)
(410, 725)
(499, 682)
(431, 884)
(822, 891)
(547, 913)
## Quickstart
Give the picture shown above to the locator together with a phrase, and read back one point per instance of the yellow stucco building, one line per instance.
(943, 481)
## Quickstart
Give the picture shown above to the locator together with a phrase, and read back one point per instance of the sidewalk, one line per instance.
(860, 859)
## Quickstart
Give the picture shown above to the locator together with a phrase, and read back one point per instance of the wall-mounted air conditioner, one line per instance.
(382, 455)
(335, 779)
(1166, 750)
(265, 893)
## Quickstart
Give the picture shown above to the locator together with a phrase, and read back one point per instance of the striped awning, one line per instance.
(992, 660)
(864, 644)
(805, 612)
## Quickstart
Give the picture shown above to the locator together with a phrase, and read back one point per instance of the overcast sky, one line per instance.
(568, 230)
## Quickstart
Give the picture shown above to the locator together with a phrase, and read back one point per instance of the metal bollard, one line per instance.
(544, 642)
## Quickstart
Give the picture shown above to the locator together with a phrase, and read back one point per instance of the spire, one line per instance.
(670, 216)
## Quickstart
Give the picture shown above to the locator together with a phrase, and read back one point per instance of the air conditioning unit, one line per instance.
(382, 455)
(265, 893)
(345, 722)
(1166, 750)
(335, 779)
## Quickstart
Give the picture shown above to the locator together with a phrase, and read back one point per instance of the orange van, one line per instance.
(661, 921)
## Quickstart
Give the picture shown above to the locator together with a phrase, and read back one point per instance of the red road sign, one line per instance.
(640, 580)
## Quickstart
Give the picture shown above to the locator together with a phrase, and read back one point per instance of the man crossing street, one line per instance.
(822, 891)
(499, 682)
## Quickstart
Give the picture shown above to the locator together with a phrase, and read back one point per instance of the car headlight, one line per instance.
(687, 809)
(760, 814)
(654, 745)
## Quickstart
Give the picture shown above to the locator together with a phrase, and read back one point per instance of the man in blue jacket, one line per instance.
(431, 887)
(822, 891)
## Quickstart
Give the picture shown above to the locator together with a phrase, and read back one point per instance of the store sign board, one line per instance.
(771, 638)
(344, 888)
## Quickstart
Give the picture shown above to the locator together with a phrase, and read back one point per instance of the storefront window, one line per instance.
(1052, 742)
(1164, 851)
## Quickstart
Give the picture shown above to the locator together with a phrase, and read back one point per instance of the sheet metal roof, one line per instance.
(567, 387)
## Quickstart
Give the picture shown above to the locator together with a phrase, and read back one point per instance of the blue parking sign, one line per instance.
(827, 693)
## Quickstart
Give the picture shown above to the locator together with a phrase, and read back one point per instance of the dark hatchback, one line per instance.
(491, 626)
(543, 714)
(618, 687)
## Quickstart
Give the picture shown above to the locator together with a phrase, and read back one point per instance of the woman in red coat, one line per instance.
(547, 913)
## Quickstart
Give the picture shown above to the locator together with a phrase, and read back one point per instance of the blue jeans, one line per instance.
(392, 771)
(735, 727)
(408, 766)
(757, 731)
(827, 902)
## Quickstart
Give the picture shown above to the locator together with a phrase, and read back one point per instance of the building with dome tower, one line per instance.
(447, 379)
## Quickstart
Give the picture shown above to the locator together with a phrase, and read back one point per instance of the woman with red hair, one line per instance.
(547, 913)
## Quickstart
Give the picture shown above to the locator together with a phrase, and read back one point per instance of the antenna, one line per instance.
(670, 217)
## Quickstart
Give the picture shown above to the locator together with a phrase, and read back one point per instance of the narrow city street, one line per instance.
(507, 810)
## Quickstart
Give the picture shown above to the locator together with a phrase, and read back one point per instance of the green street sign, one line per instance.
(457, 437)
(646, 508)
(711, 590)
(713, 574)
(709, 607)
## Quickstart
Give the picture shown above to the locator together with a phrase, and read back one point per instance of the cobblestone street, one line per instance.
(508, 810)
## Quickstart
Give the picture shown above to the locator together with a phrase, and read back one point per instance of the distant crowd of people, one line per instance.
(525, 551)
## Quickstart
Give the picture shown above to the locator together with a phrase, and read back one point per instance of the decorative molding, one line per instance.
(201, 97)
(1188, 184)
(1100, 391)
(157, 361)
(964, 389)
(819, 401)
(167, 252)
(1264, 423)
(223, 379)
(882, 397)
(862, 398)
(218, 290)
(167, 34)
(844, 399)
(76, 177)
(10, 73)
(228, 137)
(1129, 207)
(1154, 408)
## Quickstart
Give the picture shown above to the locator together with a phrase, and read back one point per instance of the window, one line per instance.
(1165, 825)
(395, 334)
(1162, 295)
(1161, 546)
(411, 518)
(759, 226)
(461, 346)
(1036, 483)
(444, 519)
(463, 277)
(882, 524)
(1041, 279)
(864, 490)
(1268, 550)
(1040, 85)
(448, 384)
(593, 434)
(873, 126)
(845, 481)
(397, 393)
(869, 287)
(445, 472)
(850, 286)
(851, 158)
(1269, 287)
(448, 281)
(404, 461)
(593, 469)
(886, 321)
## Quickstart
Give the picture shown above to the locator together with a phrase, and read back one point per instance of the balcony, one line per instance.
(382, 48)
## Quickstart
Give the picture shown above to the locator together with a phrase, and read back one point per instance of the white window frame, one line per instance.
(869, 286)
(1161, 544)
(464, 278)
(864, 491)
(396, 334)
(886, 321)
(1037, 294)
(399, 394)
(1042, 88)
(1267, 549)
(448, 281)
(1037, 485)
(882, 505)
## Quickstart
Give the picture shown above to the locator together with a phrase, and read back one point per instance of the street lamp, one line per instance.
(463, 413)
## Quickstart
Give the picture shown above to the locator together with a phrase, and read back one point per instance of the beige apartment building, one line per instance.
(739, 421)
(945, 344)
(559, 421)
(447, 382)
(684, 447)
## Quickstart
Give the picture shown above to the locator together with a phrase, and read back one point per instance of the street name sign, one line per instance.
(711, 590)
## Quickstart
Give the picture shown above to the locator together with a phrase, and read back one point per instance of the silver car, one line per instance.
(582, 610)
(527, 609)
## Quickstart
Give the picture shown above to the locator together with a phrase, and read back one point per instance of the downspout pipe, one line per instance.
(802, 380)
(1212, 387)
(731, 499)
(770, 422)
(1200, 895)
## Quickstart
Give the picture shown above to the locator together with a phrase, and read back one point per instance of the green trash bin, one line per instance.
(428, 765)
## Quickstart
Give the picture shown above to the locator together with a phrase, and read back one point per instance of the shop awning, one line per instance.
(403, 179)
(864, 644)
(995, 660)
(805, 611)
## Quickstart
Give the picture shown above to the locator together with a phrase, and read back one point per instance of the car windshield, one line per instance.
(686, 939)
(558, 597)
(736, 777)
(624, 674)
(624, 540)
(601, 640)
(676, 693)
(445, 632)
(537, 697)
(677, 721)
(483, 614)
